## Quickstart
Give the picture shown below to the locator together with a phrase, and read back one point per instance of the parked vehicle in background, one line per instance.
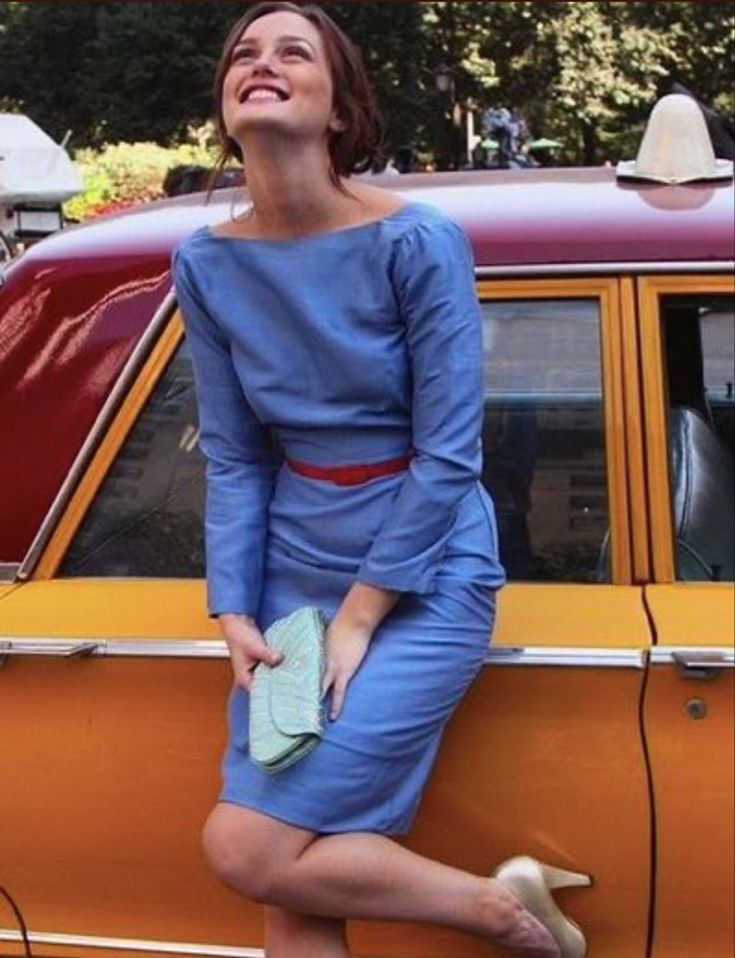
(36, 177)
(598, 737)
(194, 179)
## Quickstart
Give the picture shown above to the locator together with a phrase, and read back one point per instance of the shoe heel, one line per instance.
(559, 878)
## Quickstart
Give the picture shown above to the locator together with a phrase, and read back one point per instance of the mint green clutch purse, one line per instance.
(286, 716)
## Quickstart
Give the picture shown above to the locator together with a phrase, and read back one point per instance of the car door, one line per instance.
(113, 695)
(687, 336)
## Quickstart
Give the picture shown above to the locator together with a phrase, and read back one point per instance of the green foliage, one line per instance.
(113, 71)
(606, 76)
(586, 73)
(583, 72)
(123, 174)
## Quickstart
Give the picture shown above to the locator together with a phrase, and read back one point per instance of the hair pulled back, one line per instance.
(356, 148)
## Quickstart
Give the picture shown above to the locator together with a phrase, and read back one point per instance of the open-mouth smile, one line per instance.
(259, 93)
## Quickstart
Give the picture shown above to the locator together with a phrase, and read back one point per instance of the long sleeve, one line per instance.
(240, 465)
(434, 282)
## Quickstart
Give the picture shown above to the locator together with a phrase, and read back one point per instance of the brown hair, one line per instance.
(352, 150)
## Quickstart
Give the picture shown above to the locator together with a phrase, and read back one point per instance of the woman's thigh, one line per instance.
(248, 850)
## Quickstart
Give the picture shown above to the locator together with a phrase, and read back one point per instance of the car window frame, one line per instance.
(650, 290)
(108, 436)
(628, 543)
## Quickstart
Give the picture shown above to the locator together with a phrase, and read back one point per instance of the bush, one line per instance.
(124, 174)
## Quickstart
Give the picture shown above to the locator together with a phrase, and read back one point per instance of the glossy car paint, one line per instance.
(689, 729)
(63, 345)
(527, 744)
(115, 757)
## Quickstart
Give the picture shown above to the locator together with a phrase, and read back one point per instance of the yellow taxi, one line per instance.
(600, 734)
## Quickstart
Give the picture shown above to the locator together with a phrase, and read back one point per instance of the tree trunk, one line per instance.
(590, 144)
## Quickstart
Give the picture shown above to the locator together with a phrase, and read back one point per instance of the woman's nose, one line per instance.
(263, 63)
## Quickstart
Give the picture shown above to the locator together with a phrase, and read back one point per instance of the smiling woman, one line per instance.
(344, 322)
(357, 143)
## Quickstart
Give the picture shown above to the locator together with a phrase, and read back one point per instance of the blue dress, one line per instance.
(351, 347)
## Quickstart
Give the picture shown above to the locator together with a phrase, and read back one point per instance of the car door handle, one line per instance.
(55, 649)
(701, 665)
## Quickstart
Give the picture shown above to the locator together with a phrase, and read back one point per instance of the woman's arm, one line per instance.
(434, 277)
(240, 468)
(348, 637)
(434, 280)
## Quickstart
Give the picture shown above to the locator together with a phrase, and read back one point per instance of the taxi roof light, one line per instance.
(676, 146)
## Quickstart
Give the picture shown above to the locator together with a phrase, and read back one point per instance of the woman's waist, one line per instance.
(341, 448)
(321, 521)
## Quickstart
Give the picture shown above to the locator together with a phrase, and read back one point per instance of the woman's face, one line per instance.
(279, 79)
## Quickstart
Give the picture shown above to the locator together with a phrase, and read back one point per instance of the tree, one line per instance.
(607, 68)
(38, 44)
(586, 73)
(113, 71)
(583, 72)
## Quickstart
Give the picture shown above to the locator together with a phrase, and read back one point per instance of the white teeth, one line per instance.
(263, 95)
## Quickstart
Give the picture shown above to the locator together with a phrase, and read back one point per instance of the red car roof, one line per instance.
(514, 218)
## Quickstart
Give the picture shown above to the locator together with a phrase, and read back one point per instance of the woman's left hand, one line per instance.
(346, 646)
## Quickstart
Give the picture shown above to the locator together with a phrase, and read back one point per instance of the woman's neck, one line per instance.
(292, 192)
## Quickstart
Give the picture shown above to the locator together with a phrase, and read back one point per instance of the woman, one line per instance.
(346, 322)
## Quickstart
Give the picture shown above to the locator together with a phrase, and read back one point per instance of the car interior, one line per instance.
(699, 367)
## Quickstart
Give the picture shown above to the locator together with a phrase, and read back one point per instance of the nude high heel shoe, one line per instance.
(531, 882)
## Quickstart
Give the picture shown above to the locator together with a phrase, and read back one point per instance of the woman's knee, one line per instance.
(248, 851)
(235, 852)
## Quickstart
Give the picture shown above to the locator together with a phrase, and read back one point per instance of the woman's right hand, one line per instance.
(247, 647)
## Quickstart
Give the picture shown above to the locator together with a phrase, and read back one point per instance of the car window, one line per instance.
(544, 438)
(699, 340)
(147, 518)
(544, 459)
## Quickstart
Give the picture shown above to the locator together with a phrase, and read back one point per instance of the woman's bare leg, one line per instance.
(290, 935)
(364, 876)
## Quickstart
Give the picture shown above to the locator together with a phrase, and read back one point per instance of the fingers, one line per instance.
(244, 668)
(247, 651)
(338, 685)
(258, 650)
(244, 677)
(269, 656)
(339, 690)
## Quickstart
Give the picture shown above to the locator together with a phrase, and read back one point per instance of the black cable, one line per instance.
(21, 923)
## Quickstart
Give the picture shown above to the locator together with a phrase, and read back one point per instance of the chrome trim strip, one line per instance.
(615, 658)
(569, 657)
(105, 416)
(116, 648)
(8, 571)
(664, 655)
(194, 649)
(63, 650)
(603, 269)
(132, 944)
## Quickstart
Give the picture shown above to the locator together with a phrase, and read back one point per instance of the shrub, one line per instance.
(124, 174)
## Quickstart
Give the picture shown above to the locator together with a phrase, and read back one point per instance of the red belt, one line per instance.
(350, 475)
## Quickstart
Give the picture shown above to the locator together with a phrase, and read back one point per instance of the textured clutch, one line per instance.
(286, 718)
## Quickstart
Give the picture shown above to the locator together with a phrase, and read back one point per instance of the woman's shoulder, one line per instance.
(426, 232)
(189, 244)
(402, 210)
(426, 217)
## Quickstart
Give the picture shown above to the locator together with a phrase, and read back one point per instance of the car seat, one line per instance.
(702, 481)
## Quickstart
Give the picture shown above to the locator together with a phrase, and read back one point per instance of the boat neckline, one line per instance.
(410, 204)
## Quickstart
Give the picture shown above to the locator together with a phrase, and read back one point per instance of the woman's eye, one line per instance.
(296, 52)
(240, 55)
